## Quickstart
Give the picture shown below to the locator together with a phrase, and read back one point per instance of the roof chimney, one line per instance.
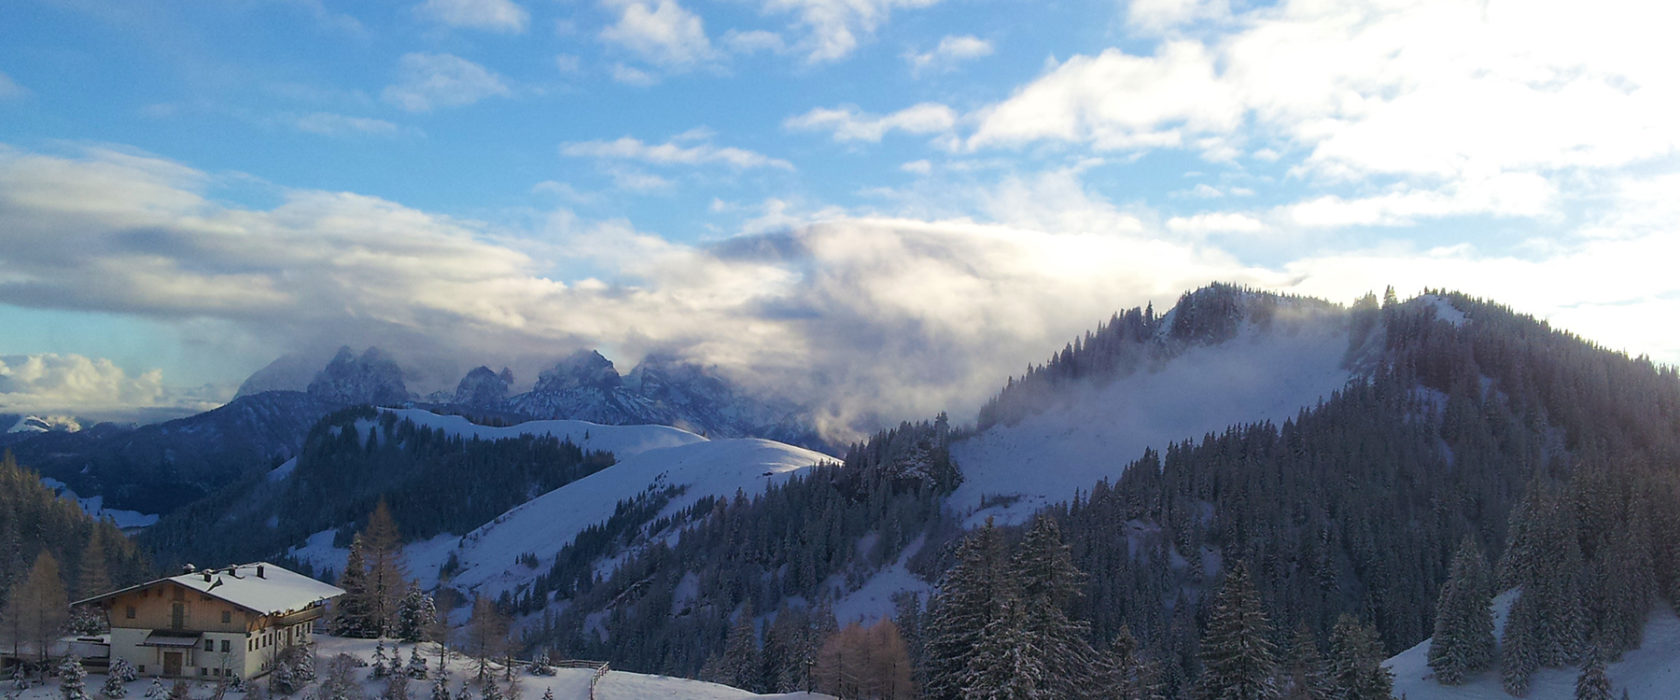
(206, 575)
(187, 568)
(259, 571)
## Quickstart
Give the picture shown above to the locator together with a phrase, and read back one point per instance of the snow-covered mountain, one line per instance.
(680, 466)
(483, 389)
(373, 378)
(289, 372)
(662, 391)
(40, 424)
(1221, 357)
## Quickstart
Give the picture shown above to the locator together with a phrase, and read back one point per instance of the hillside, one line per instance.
(1651, 671)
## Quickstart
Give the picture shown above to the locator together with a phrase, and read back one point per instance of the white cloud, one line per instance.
(1159, 16)
(1215, 222)
(488, 15)
(1444, 96)
(630, 75)
(917, 167)
(663, 33)
(754, 41)
(848, 123)
(9, 89)
(83, 385)
(1117, 101)
(329, 124)
(429, 80)
(805, 301)
(834, 28)
(568, 63)
(672, 153)
(951, 51)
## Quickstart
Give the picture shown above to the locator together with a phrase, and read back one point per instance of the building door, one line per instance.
(177, 616)
(172, 662)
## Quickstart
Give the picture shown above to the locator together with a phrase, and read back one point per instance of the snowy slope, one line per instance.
(1096, 430)
(128, 521)
(623, 441)
(544, 524)
(1650, 672)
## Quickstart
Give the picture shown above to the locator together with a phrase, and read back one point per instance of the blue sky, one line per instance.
(827, 196)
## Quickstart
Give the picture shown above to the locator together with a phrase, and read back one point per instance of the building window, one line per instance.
(224, 646)
(227, 616)
(202, 671)
(209, 645)
(128, 612)
(142, 668)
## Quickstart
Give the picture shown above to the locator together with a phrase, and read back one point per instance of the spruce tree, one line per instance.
(1238, 661)
(1463, 641)
(1047, 584)
(113, 687)
(1306, 676)
(1592, 684)
(1356, 657)
(72, 679)
(970, 597)
(1518, 658)
(1007, 662)
(740, 663)
(353, 611)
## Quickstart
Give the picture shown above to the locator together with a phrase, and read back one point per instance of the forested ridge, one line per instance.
(433, 483)
(1346, 517)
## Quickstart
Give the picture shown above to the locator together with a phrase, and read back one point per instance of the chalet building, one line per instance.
(213, 622)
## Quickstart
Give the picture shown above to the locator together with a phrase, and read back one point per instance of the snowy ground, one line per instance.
(1097, 430)
(567, 684)
(1651, 672)
(130, 521)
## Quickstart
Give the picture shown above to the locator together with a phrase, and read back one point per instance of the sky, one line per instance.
(884, 207)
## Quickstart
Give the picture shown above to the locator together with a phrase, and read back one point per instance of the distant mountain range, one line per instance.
(158, 468)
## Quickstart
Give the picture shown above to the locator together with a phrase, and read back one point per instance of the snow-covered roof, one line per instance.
(277, 590)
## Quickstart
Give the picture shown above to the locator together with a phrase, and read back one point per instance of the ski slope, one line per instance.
(1651, 672)
(546, 523)
(1096, 430)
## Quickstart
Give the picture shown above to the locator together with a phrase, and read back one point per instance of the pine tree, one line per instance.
(415, 614)
(971, 595)
(381, 666)
(1356, 657)
(1517, 656)
(155, 691)
(1463, 641)
(113, 687)
(1306, 676)
(1048, 584)
(739, 665)
(123, 671)
(1006, 663)
(1237, 655)
(72, 679)
(464, 693)
(1592, 684)
(440, 689)
(353, 611)
(416, 664)
(491, 691)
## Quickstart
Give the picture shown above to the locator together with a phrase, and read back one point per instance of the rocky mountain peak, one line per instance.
(372, 378)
